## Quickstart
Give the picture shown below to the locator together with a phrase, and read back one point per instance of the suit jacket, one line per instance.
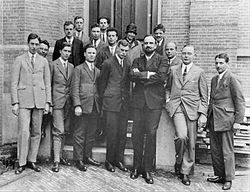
(176, 61)
(135, 50)
(149, 91)
(84, 88)
(160, 49)
(192, 93)
(83, 36)
(227, 103)
(114, 84)
(103, 54)
(60, 84)
(98, 48)
(30, 87)
(77, 52)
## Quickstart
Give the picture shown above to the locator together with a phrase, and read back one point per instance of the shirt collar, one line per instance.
(222, 74)
(63, 62)
(70, 40)
(188, 67)
(149, 57)
(89, 65)
(171, 60)
(160, 42)
(30, 55)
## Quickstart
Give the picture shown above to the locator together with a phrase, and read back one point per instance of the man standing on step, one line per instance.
(61, 73)
(31, 98)
(114, 90)
(86, 103)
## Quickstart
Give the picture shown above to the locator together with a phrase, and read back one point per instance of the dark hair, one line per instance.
(33, 36)
(65, 44)
(94, 25)
(102, 17)
(159, 26)
(88, 46)
(112, 29)
(222, 56)
(78, 17)
(122, 42)
(45, 42)
(67, 23)
(149, 35)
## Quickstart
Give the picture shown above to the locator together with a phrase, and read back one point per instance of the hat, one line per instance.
(131, 28)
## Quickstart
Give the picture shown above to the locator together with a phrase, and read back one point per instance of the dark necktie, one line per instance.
(103, 37)
(32, 61)
(184, 73)
(65, 68)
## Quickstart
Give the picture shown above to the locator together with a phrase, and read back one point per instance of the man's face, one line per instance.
(43, 49)
(130, 36)
(170, 50)
(79, 24)
(103, 24)
(112, 37)
(90, 54)
(159, 34)
(65, 53)
(221, 65)
(96, 32)
(122, 51)
(68, 30)
(33, 45)
(187, 55)
(149, 45)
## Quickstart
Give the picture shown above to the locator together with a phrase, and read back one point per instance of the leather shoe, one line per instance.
(227, 185)
(185, 180)
(177, 169)
(121, 166)
(216, 179)
(33, 166)
(109, 166)
(65, 161)
(80, 165)
(134, 174)
(19, 170)
(55, 167)
(148, 178)
(91, 161)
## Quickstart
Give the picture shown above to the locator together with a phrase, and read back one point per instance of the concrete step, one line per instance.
(99, 154)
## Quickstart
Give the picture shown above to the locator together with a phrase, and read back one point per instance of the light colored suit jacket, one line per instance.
(60, 83)
(30, 87)
(84, 88)
(227, 103)
(192, 93)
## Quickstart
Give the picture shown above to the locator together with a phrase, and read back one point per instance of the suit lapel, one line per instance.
(70, 70)
(27, 59)
(179, 74)
(90, 73)
(189, 74)
(150, 61)
(118, 66)
(61, 68)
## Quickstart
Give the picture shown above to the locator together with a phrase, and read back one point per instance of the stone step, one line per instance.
(99, 154)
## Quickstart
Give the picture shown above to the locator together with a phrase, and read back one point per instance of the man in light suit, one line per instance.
(86, 103)
(149, 73)
(79, 32)
(171, 53)
(76, 56)
(226, 112)
(187, 105)
(31, 97)
(61, 72)
(114, 91)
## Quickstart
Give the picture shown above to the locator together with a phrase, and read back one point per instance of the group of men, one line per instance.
(90, 81)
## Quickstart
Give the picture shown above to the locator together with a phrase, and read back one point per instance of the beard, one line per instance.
(149, 51)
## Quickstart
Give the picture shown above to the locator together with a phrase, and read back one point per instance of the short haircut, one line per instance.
(78, 17)
(94, 26)
(122, 42)
(67, 23)
(149, 35)
(222, 56)
(188, 46)
(103, 17)
(65, 44)
(112, 29)
(88, 46)
(159, 26)
(175, 44)
(45, 42)
(33, 36)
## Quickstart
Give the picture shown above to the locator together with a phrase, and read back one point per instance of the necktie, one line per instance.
(218, 82)
(32, 61)
(121, 63)
(92, 66)
(65, 68)
(103, 37)
(184, 73)
(94, 43)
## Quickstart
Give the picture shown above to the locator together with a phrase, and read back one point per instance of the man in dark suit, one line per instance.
(95, 38)
(159, 34)
(76, 56)
(114, 90)
(109, 50)
(31, 98)
(79, 29)
(61, 72)
(86, 104)
(149, 73)
(226, 112)
(188, 105)
(104, 25)
(171, 53)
